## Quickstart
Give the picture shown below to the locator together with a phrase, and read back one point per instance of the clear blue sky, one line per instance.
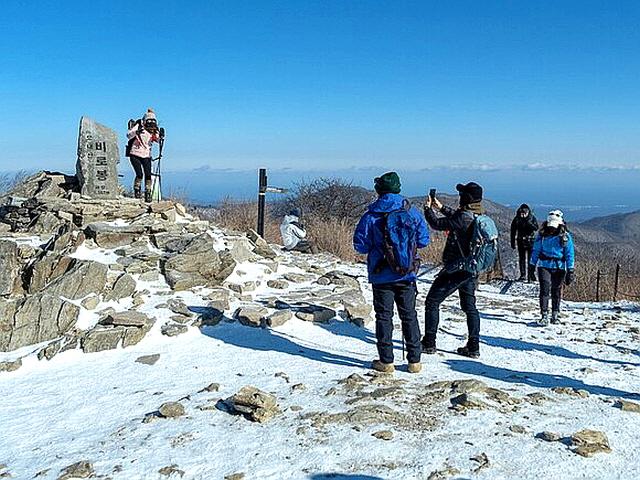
(342, 83)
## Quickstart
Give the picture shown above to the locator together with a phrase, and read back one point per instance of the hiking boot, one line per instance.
(378, 366)
(544, 319)
(522, 278)
(471, 349)
(137, 193)
(428, 345)
(467, 352)
(414, 367)
(555, 317)
(147, 196)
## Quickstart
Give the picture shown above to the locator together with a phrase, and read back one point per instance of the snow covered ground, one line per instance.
(91, 406)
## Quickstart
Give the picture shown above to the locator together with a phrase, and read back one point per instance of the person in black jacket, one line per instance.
(459, 225)
(523, 232)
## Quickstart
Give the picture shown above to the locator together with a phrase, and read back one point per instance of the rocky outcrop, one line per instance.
(197, 264)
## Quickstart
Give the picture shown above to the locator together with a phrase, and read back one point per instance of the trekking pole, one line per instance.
(403, 348)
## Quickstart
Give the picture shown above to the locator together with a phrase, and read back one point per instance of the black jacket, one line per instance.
(457, 223)
(523, 229)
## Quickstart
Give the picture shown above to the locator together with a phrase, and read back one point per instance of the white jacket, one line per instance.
(291, 234)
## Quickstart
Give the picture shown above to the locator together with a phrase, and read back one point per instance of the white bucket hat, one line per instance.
(555, 218)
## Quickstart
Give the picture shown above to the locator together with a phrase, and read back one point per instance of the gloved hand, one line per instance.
(569, 277)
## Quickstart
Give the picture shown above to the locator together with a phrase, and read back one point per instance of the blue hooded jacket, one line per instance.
(368, 238)
(549, 252)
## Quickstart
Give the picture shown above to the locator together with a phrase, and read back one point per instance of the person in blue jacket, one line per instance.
(554, 255)
(388, 286)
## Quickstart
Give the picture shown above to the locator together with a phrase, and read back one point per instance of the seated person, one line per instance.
(294, 236)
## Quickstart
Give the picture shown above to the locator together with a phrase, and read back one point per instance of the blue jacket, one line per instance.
(548, 252)
(368, 237)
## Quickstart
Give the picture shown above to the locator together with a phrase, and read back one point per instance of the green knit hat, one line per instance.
(387, 183)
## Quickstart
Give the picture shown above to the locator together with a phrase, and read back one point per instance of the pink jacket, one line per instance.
(142, 144)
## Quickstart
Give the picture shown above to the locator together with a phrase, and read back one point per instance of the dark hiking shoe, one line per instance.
(147, 196)
(381, 367)
(137, 193)
(467, 352)
(555, 317)
(428, 345)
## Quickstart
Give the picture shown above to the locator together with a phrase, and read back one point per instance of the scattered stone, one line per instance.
(517, 429)
(261, 247)
(212, 387)
(91, 302)
(235, 476)
(99, 339)
(124, 287)
(443, 474)
(177, 305)
(570, 391)
(251, 316)
(254, 404)
(357, 313)
(383, 435)
(278, 318)
(82, 469)
(589, 442)
(219, 299)
(298, 387)
(483, 461)
(129, 318)
(171, 410)
(173, 329)
(624, 405)
(549, 436)
(316, 314)
(148, 359)
(298, 277)
(171, 470)
(467, 401)
(278, 284)
(10, 366)
(283, 376)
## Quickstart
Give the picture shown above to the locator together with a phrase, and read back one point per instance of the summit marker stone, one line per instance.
(98, 157)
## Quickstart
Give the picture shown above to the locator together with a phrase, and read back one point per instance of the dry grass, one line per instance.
(604, 258)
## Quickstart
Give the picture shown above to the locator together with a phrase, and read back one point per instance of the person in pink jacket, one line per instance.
(141, 137)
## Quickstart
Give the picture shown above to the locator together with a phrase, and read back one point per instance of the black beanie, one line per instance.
(469, 193)
(387, 183)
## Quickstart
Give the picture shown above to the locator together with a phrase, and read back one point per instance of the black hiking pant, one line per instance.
(142, 168)
(528, 271)
(403, 294)
(551, 280)
(305, 246)
(443, 286)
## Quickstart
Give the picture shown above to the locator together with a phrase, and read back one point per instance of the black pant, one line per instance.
(404, 296)
(551, 280)
(525, 248)
(304, 246)
(443, 286)
(141, 166)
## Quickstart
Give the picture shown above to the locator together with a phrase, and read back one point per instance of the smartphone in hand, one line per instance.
(432, 193)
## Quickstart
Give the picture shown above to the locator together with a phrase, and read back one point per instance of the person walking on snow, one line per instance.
(294, 235)
(554, 255)
(389, 233)
(523, 231)
(458, 223)
(142, 136)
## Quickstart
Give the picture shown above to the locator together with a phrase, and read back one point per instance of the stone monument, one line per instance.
(98, 158)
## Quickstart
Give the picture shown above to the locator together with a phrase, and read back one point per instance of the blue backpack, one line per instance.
(400, 246)
(483, 247)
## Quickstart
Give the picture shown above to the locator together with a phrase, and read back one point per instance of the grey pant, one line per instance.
(551, 280)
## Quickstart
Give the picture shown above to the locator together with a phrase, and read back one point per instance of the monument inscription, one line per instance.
(98, 159)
